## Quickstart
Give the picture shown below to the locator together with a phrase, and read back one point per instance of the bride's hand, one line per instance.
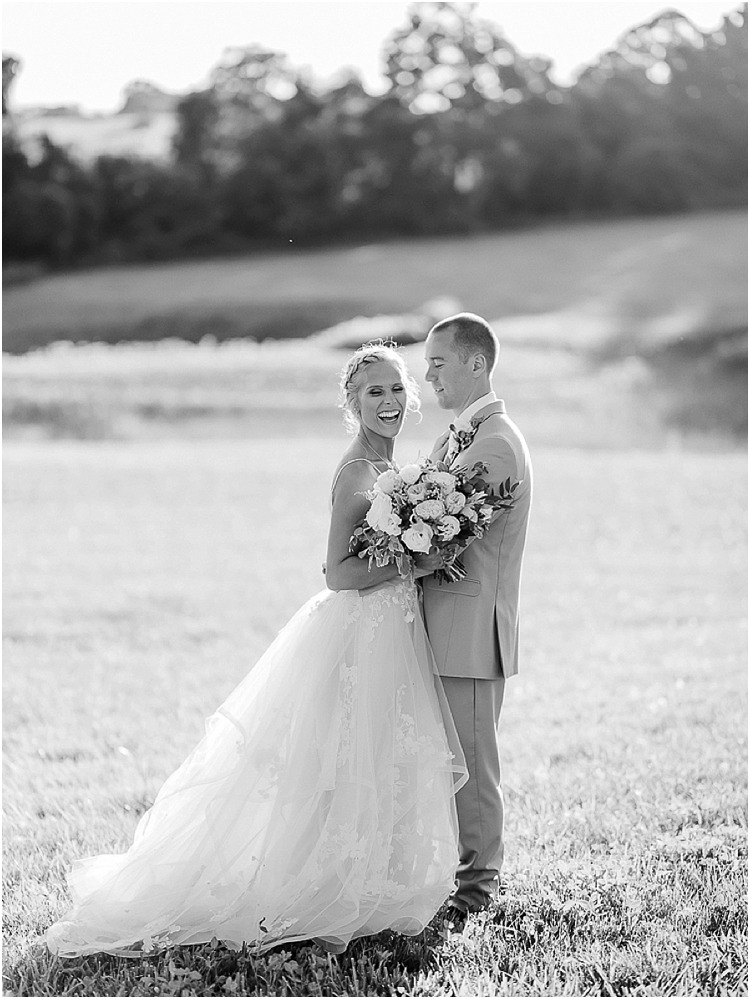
(425, 565)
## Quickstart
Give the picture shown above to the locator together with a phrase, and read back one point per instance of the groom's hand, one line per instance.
(425, 565)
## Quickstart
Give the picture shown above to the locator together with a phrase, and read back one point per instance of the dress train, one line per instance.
(319, 804)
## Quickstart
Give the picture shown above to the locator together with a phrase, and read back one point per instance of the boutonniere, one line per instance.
(463, 432)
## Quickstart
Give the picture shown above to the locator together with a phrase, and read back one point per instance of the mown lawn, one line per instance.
(633, 277)
(143, 579)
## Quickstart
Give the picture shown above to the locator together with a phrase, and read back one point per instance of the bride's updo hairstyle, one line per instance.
(350, 382)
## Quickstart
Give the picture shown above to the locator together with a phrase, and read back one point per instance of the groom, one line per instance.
(473, 624)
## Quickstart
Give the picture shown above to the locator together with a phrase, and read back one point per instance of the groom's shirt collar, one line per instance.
(478, 404)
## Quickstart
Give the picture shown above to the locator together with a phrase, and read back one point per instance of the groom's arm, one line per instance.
(440, 447)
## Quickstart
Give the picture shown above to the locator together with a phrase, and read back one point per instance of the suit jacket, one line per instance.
(473, 624)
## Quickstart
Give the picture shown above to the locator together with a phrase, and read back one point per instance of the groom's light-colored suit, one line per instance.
(473, 629)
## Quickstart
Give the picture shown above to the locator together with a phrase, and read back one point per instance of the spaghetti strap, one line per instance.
(351, 462)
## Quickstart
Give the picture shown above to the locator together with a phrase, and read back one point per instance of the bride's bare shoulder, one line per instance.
(354, 472)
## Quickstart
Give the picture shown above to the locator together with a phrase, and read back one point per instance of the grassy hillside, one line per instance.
(644, 278)
(613, 335)
(139, 589)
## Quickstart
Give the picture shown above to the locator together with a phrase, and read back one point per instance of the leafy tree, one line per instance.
(39, 222)
(670, 99)
(16, 165)
(282, 184)
(49, 207)
(489, 101)
(11, 65)
(708, 100)
(342, 128)
(446, 58)
(650, 176)
(406, 180)
(250, 87)
(469, 135)
(150, 211)
(194, 142)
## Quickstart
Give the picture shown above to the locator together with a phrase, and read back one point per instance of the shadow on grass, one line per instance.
(698, 381)
(670, 922)
(384, 963)
(704, 382)
(264, 321)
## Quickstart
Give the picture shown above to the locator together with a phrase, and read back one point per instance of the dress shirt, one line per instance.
(474, 408)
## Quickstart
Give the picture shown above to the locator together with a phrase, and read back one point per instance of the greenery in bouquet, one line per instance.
(425, 508)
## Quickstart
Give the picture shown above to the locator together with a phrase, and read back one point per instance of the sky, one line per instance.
(85, 52)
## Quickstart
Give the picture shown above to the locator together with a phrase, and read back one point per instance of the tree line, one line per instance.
(470, 135)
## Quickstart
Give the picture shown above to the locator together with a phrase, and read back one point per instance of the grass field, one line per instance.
(247, 390)
(140, 587)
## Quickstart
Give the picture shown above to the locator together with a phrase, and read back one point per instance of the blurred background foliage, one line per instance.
(601, 226)
(469, 136)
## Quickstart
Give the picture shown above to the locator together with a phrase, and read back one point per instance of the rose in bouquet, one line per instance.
(425, 508)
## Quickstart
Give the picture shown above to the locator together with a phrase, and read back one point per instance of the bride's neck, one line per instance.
(372, 442)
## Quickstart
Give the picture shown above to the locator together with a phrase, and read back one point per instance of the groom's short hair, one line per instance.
(471, 335)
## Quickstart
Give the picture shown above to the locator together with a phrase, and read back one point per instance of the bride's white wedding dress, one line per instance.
(319, 804)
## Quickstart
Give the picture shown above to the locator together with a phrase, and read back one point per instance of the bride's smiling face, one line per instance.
(382, 398)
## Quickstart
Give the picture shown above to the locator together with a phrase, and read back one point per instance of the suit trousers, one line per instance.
(475, 706)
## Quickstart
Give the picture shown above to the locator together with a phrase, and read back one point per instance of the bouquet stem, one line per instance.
(452, 572)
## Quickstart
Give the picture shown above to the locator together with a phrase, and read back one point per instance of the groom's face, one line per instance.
(450, 377)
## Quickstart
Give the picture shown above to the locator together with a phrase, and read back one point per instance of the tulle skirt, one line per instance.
(319, 804)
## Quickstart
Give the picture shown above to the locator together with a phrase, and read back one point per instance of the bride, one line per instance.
(320, 802)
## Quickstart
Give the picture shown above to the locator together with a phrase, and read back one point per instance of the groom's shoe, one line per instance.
(453, 920)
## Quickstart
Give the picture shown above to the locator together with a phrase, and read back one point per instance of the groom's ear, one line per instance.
(478, 364)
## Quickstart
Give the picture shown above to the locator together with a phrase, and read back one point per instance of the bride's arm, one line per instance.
(343, 570)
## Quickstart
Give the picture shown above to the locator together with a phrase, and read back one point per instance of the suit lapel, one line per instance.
(492, 409)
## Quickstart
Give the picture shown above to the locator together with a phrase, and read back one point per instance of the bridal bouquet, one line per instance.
(425, 508)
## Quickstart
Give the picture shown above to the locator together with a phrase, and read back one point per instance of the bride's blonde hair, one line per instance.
(350, 382)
